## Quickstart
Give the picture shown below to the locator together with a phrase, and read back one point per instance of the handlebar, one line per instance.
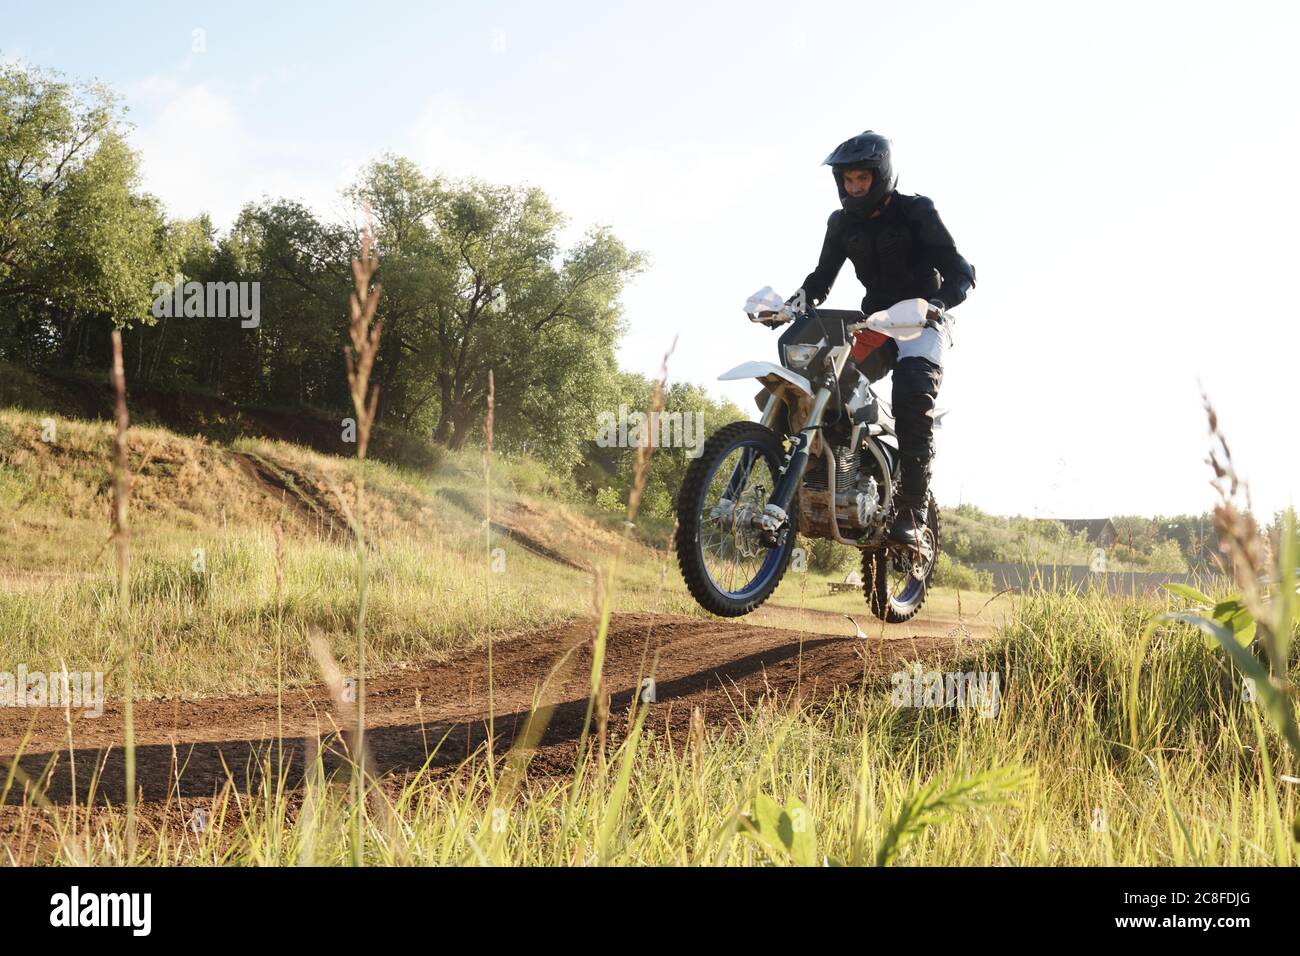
(853, 319)
(767, 316)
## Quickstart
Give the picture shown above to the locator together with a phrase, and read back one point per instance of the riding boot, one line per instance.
(916, 388)
(912, 501)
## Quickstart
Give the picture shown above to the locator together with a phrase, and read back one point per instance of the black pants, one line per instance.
(916, 389)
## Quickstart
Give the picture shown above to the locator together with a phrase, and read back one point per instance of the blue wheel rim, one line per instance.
(772, 561)
(909, 594)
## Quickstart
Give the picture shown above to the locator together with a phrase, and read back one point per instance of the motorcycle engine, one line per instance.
(856, 496)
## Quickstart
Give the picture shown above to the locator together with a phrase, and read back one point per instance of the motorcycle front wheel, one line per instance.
(727, 567)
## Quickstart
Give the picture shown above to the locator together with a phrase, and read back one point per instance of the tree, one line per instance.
(689, 417)
(47, 130)
(475, 277)
(475, 280)
(303, 267)
(80, 245)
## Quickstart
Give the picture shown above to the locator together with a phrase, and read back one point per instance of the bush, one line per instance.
(532, 476)
(609, 499)
(950, 574)
(829, 557)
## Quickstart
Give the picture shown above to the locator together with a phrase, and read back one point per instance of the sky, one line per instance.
(1118, 173)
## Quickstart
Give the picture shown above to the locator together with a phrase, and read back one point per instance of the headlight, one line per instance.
(798, 356)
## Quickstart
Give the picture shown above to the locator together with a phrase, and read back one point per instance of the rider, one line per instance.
(900, 249)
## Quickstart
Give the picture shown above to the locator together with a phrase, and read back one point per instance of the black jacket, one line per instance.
(906, 252)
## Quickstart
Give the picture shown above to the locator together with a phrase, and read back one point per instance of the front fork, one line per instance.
(775, 516)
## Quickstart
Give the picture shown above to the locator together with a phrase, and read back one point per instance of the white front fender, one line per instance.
(763, 371)
(791, 387)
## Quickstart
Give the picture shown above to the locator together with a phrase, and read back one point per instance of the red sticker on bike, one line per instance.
(866, 341)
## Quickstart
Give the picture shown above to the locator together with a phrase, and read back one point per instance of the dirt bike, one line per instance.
(821, 462)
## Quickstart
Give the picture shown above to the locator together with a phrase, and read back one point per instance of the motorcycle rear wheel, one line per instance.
(895, 595)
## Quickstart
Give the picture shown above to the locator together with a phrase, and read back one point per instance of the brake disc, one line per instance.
(744, 535)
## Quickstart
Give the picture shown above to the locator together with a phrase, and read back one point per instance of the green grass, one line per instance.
(1051, 780)
(433, 588)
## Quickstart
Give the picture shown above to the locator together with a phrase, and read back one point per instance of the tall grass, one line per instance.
(365, 334)
(1052, 780)
(122, 555)
(1055, 778)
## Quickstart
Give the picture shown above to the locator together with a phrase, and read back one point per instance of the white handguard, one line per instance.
(902, 321)
(767, 306)
(908, 323)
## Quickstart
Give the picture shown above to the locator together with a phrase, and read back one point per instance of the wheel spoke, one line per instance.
(732, 554)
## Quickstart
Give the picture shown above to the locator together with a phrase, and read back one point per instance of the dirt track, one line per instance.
(442, 708)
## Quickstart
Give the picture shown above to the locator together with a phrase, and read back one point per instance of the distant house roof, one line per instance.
(1097, 529)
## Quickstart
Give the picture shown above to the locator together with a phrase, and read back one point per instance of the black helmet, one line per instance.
(867, 150)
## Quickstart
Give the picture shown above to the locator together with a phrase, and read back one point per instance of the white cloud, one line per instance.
(200, 155)
(649, 191)
(683, 202)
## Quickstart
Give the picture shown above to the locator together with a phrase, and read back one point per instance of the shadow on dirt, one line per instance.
(188, 770)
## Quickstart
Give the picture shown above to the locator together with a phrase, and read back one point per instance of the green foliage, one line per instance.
(830, 557)
(689, 417)
(608, 499)
(787, 834)
(1235, 628)
(78, 241)
(952, 574)
(930, 806)
(971, 535)
(1231, 614)
(475, 280)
